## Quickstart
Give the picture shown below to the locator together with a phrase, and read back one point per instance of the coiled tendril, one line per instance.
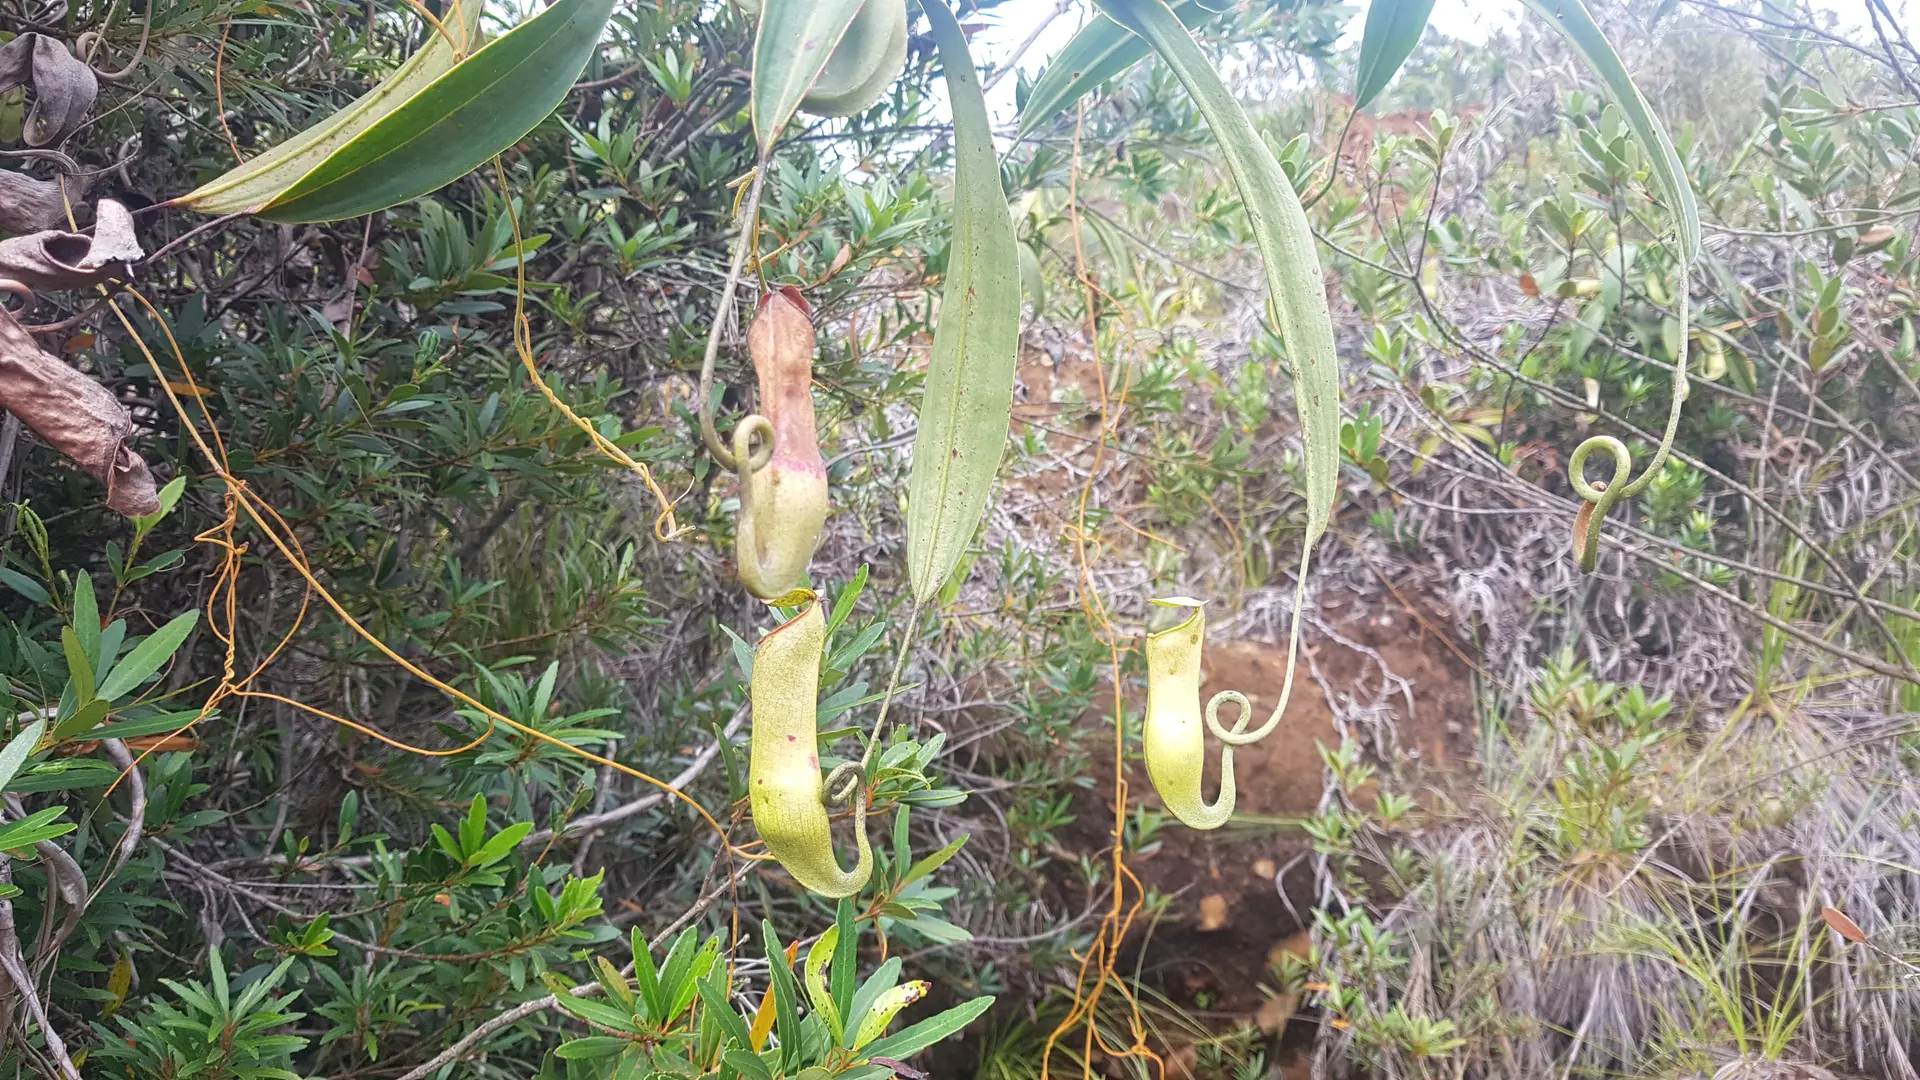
(1601, 496)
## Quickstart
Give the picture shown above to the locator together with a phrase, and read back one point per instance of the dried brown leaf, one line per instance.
(52, 259)
(30, 205)
(63, 87)
(1845, 927)
(75, 416)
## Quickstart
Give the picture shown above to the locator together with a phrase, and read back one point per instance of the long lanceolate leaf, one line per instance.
(1101, 50)
(969, 390)
(259, 180)
(1576, 25)
(488, 102)
(795, 39)
(388, 151)
(1293, 276)
(1393, 29)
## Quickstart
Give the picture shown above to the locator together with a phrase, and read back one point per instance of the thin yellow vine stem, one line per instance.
(269, 522)
(1103, 952)
(665, 528)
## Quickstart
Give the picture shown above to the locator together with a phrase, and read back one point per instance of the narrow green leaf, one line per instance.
(484, 105)
(934, 861)
(593, 1046)
(501, 844)
(64, 775)
(35, 827)
(168, 723)
(24, 585)
(1575, 23)
(713, 998)
(260, 179)
(82, 720)
(794, 41)
(1101, 50)
(786, 997)
(1393, 29)
(674, 971)
(79, 670)
(846, 955)
(17, 749)
(883, 979)
(86, 619)
(683, 994)
(911, 1040)
(969, 389)
(748, 1063)
(148, 656)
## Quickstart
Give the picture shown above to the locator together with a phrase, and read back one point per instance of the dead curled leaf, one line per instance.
(28, 204)
(75, 416)
(52, 259)
(63, 86)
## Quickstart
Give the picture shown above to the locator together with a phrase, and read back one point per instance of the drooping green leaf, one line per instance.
(259, 180)
(484, 105)
(1101, 50)
(17, 749)
(1393, 29)
(149, 656)
(1297, 300)
(793, 43)
(969, 389)
(1286, 246)
(1576, 25)
(917, 1037)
